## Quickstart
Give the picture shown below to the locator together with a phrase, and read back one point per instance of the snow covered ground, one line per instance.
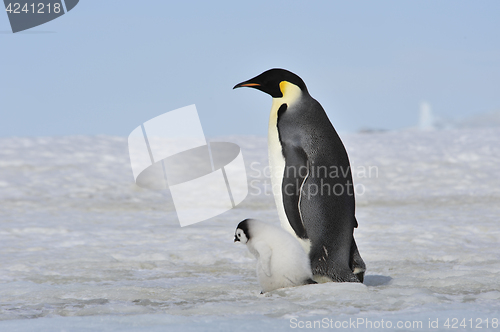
(84, 249)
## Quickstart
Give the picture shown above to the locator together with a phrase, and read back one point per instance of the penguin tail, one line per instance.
(357, 264)
(360, 275)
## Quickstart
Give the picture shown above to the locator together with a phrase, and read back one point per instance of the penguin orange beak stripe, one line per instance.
(250, 84)
(246, 85)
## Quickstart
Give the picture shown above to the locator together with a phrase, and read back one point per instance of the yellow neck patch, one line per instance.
(290, 92)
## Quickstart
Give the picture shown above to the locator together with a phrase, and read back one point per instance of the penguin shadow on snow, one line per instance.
(377, 280)
(372, 280)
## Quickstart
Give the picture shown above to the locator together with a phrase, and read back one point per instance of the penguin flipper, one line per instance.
(296, 172)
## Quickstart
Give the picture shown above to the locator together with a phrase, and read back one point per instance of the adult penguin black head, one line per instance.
(274, 82)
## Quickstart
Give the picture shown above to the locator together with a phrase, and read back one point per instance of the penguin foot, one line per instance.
(339, 276)
(310, 281)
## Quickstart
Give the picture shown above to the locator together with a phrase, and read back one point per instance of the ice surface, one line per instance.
(82, 248)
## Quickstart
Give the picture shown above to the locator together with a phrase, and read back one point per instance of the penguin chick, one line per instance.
(281, 261)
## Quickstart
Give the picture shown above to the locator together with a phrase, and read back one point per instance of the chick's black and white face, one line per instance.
(240, 236)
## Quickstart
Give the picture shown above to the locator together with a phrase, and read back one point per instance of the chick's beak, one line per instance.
(236, 239)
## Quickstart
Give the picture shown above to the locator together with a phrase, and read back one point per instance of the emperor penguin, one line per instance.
(281, 261)
(311, 177)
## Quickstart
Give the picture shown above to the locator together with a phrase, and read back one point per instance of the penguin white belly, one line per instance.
(277, 164)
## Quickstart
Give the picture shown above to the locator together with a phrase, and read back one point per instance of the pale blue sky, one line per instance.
(108, 66)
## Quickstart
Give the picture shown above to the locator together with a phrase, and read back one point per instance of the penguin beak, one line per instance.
(246, 84)
(236, 239)
(262, 85)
